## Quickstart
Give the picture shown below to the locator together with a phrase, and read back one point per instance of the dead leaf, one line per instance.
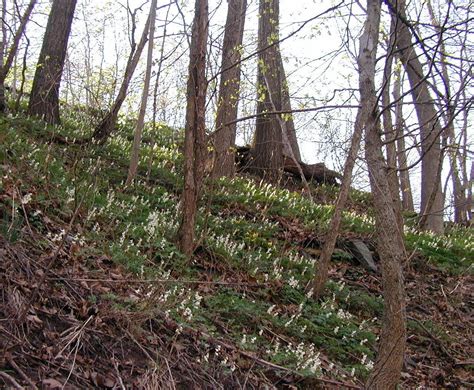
(51, 384)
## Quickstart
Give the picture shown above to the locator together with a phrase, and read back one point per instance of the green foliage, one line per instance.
(241, 238)
(453, 251)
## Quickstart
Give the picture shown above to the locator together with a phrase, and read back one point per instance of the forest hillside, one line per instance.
(95, 293)
(240, 194)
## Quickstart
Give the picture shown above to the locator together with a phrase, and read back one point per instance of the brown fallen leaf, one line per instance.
(51, 384)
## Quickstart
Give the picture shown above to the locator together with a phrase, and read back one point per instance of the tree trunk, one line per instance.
(146, 87)
(430, 128)
(5, 67)
(470, 198)
(44, 98)
(390, 246)
(286, 106)
(268, 154)
(107, 124)
(389, 130)
(229, 90)
(155, 90)
(402, 162)
(460, 212)
(3, 44)
(195, 131)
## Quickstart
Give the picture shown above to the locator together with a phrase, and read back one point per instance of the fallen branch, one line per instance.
(434, 338)
(20, 371)
(8, 378)
(150, 281)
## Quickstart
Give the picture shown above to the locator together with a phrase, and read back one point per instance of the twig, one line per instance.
(171, 374)
(200, 334)
(139, 346)
(24, 211)
(146, 281)
(434, 338)
(15, 384)
(122, 386)
(20, 371)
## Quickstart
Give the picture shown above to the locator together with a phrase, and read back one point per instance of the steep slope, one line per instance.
(95, 293)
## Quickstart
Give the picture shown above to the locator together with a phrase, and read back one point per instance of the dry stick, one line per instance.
(122, 386)
(7, 377)
(434, 338)
(140, 346)
(286, 141)
(20, 371)
(24, 210)
(145, 281)
(171, 374)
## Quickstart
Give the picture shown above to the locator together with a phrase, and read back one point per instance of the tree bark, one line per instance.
(286, 106)
(229, 90)
(389, 130)
(390, 246)
(430, 128)
(3, 44)
(402, 162)
(460, 212)
(44, 98)
(5, 67)
(107, 125)
(195, 131)
(146, 87)
(268, 154)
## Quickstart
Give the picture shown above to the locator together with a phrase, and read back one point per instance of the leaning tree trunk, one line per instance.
(390, 246)
(268, 153)
(107, 125)
(44, 97)
(132, 171)
(432, 206)
(229, 90)
(195, 130)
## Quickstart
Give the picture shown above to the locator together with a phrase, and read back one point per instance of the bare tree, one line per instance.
(229, 90)
(12, 51)
(402, 164)
(44, 98)
(432, 199)
(107, 124)
(390, 245)
(389, 130)
(268, 153)
(460, 212)
(195, 130)
(146, 86)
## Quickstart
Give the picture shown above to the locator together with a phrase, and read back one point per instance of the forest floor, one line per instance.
(96, 295)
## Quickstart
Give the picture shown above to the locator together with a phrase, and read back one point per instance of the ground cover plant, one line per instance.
(97, 294)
